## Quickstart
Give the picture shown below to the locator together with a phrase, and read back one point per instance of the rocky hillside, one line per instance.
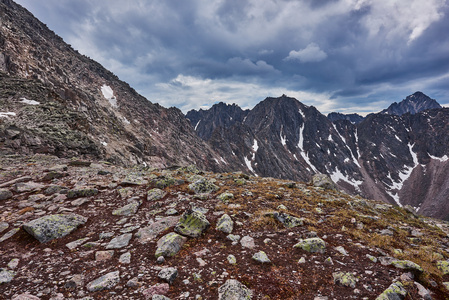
(72, 229)
(397, 159)
(353, 118)
(57, 101)
(412, 104)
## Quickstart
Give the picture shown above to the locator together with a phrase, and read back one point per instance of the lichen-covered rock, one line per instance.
(312, 245)
(134, 179)
(6, 276)
(443, 265)
(395, 291)
(5, 194)
(164, 181)
(53, 227)
(127, 210)
(407, 265)
(345, 279)
(155, 194)
(120, 241)
(168, 274)
(104, 282)
(225, 197)
(169, 244)
(3, 226)
(231, 259)
(323, 181)
(82, 192)
(234, 290)
(192, 224)
(203, 186)
(247, 242)
(261, 257)
(225, 224)
(286, 219)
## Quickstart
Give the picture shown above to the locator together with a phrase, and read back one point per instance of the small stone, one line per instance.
(74, 244)
(372, 258)
(25, 296)
(3, 226)
(387, 232)
(169, 244)
(225, 197)
(261, 257)
(302, 260)
(9, 234)
(6, 276)
(233, 237)
(82, 192)
(329, 261)
(231, 259)
(104, 282)
(155, 194)
(127, 210)
(13, 263)
(168, 274)
(125, 258)
(341, 250)
(248, 242)
(104, 255)
(159, 297)
(234, 290)
(120, 241)
(133, 283)
(160, 260)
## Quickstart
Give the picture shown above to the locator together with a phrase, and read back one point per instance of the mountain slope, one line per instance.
(353, 118)
(398, 159)
(117, 123)
(412, 104)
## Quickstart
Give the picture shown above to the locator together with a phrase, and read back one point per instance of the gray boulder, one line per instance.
(155, 194)
(345, 279)
(150, 232)
(192, 223)
(203, 186)
(312, 245)
(53, 227)
(5, 194)
(6, 276)
(225, 224)
(323, 181)
(261, 257)
(120, 241)
(127, 210)
(234, 290)
(169, 244)
(104, 282)
(287, 220)
(395, 291)
(168, 274)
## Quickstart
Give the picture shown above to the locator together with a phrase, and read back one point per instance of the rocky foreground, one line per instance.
(73, 229)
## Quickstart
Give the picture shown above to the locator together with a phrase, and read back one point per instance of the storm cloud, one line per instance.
(338, 55)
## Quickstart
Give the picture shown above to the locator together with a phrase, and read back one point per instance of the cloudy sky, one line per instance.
(338, 55)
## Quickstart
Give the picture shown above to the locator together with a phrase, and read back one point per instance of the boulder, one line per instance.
(395, 291)
(6, 276)
(104, 282)
(312, 245)
(168, 274)
(345, 279)
(150, 232)
(192, 224)
(155, 194)
(53, 227)
(169, 244)
(247, 242)
(287, 220)
(127, 210)
(261, 257)
(120, 241)
(5, 194)
(407, 265)
(234, 290)
(323, 181)
(225, 224)
(203, 186)
(225, 197)
(82, 192)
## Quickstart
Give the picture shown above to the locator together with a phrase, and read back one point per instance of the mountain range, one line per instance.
(57, 101)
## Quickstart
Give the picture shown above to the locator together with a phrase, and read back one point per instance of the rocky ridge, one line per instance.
(145, 233)
(412, 104)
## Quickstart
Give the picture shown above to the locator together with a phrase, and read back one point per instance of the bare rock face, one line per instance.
(53, 227)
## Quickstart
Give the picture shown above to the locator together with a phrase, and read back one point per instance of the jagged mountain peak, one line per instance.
(353, 118)
(412, 104)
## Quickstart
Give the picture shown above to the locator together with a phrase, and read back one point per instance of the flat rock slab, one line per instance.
(22, 187)
(234, 290)
(53, 227)
(149, 233)
(127, 210)
(120, 241)
(155, 194)
(104, 282)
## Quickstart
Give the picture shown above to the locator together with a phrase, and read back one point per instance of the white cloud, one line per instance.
(312, 53)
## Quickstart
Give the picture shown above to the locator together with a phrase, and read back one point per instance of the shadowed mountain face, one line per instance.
(412, 104)
(398, 159)
(353, 118)
(76, 107)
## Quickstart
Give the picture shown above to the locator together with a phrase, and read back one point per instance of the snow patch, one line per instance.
(338, 175)
(126, 121)
(104, 143)
(7, 114)
(29, 102)
(222, 159)
(397, 138)
(283, 139)
(304, 155)
(196, 126)
(255, 148)
(249, 166)
(302, 114)
(108, 93)
(443, 159)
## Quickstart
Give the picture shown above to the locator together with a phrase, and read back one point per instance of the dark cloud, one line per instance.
(332, 53)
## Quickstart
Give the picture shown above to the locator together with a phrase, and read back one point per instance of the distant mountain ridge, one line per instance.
(398, 159)
(412, 104)
(353, 118)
